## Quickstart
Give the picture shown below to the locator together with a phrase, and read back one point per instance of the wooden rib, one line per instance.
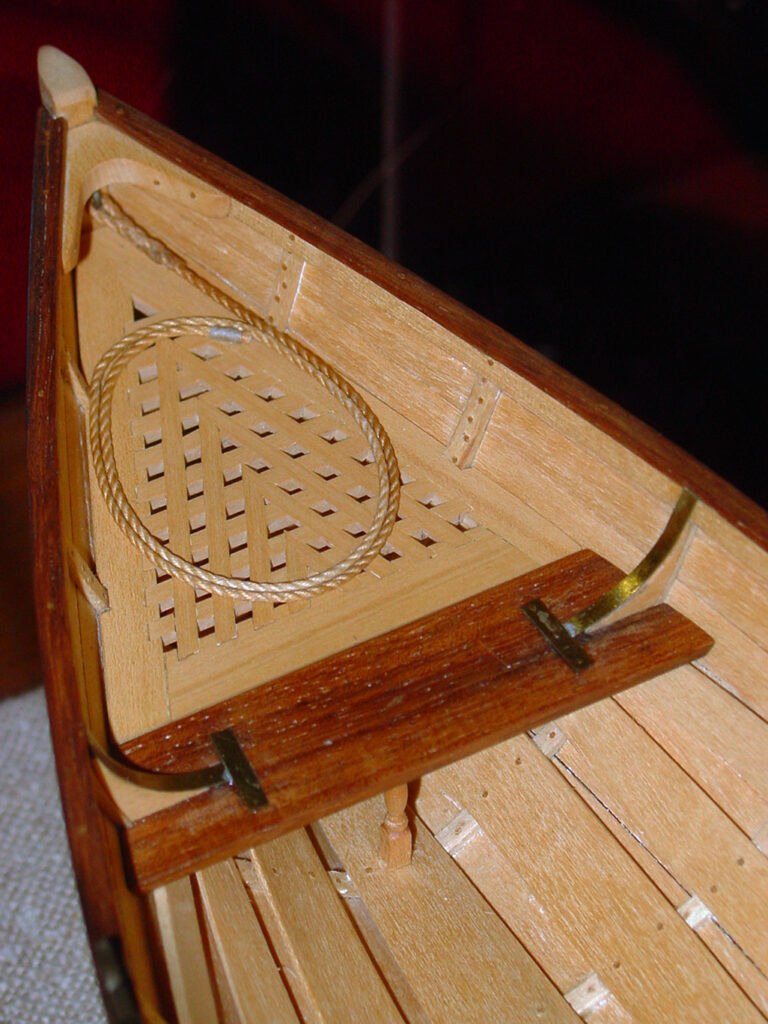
(250, 984)
(88, 583)
(333, 979)
(286, 288)
(571, 894)
(185, 961)
(473, 422)
(457, 955)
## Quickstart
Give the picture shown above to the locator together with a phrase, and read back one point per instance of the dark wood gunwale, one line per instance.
(394, 708)
(117, 921)
(83, 820)
(625, 428)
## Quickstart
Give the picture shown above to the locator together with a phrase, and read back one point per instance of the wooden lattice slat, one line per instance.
(248, 468)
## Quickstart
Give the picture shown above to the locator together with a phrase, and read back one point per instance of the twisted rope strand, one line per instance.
(248, 327)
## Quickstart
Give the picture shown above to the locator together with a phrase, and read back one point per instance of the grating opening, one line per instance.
(245, 484)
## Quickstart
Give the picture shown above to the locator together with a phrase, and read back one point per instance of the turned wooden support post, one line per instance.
(395, 841)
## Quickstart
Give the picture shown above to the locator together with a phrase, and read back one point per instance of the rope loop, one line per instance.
(246, 327)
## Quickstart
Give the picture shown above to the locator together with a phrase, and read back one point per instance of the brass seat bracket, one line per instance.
(562, 635)
(234, 768)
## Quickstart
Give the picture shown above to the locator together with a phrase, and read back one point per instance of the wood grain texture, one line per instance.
(250, 985)
(458, 956)
(555, 382)
(109, 909)
(19, 654)
(687, 833)
(571, 894)
(332, 980)
(393, 708)
(176, 919)
(67, 728)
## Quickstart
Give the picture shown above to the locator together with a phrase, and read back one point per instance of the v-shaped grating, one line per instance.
(242, 464)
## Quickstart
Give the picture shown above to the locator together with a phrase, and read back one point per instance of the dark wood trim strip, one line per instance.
(83, 821)
(631, 432)
(394, 708)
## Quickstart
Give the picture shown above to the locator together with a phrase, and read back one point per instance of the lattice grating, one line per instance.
(244, 465)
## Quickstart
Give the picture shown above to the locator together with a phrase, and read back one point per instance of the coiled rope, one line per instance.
(245, 327)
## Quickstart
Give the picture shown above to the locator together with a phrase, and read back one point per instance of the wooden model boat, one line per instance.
(307, 531)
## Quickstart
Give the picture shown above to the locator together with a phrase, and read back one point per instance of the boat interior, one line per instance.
(608, 864)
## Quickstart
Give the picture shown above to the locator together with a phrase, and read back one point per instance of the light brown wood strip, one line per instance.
(185, 960)
(103, 299)
(748, 977)
(728, 584)
(240, 261)
(185, 617)
(549, 471)
(615, 516)
(254, 986)
(373, 339)
(103, 305)
(258, 549)
(473, 422)
(458, 956)
(682, 829)
(285, 289)
(223, 610)
(718, 741)
(736, 662)
(572, 895)
(331, 974)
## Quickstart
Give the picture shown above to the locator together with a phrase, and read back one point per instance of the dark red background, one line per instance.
(586, 174)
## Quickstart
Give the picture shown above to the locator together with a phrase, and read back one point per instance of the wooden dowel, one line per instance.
(395, 843)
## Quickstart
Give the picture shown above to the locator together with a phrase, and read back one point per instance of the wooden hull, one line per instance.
(609, 863)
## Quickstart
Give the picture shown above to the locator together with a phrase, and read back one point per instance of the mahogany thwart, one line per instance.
(374, 716)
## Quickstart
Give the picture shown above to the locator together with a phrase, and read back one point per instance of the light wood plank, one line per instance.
(571, 894)
(379, 342)
(331, 974)
(241, 262)
(254, 986)
(185, 960)
(619, 519)
(458, 956)
(673, 819)
(717, 741)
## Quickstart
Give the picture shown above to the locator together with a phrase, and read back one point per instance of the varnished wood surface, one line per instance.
(394, 708)
(111, 912)
(66, 716)
(572, 393)
(560, 875)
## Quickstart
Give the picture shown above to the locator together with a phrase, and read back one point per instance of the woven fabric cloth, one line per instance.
(46, 971)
